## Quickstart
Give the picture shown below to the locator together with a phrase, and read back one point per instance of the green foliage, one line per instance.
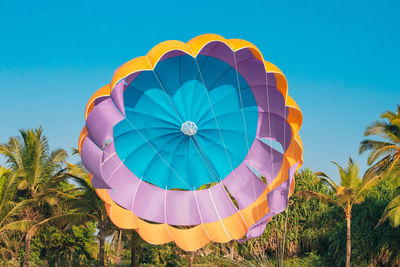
(10, 263)
(74, 245)
(161, 255)
(370, 244)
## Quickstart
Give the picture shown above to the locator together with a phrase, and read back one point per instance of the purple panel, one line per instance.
(182, 208)
(223, 204)
(124, 187)
(243, 55)
(99, 183)
(266, 160)
(278, 198)
(99, 100)
(131, 77)
(91, 157)
(173, 53)
(117, 95)
(258, 228)
(270, 101)
(111, 166)
(253, 71)
(149, 202)
(244, 186)
(218, 50)
(206, 206)
(101, 121)
(109, 150)
(274, 127)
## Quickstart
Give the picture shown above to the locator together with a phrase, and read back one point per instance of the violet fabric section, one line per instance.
(131, 193)
(278, 200)
(201, 206)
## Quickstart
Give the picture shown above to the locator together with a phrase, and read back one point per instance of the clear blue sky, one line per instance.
(341, 59)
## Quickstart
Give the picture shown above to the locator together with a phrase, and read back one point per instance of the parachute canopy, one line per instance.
(193, 142)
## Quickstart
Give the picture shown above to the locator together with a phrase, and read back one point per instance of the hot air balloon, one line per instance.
(194, 142)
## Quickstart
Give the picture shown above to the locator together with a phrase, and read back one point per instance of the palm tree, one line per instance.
(39, 172)
(352, 190)
(89, 206)
(384, 155)
(116, 243)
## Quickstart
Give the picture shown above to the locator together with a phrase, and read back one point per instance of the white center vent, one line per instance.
(189, 128)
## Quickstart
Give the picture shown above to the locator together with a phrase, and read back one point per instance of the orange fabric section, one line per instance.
(155, 54)
(235, 226)
(189, 239)
(281, 84)
(217, 232)
(82, 137)
(197, 43)
(103, 195)
(153, 233)
(291, 189)
(269, 67)
(238, 44)
(292, 103)
(121, 217)
(134, 65)
(294, 118)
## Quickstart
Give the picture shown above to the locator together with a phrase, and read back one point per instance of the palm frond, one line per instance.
(14, 211)
(352, 171)
(389, 115)
(12, 152)
(387, 131)
(77, 171)
(389, 150)
(392, 213)
(18, 225)
(344, 177)
(310, 194)
(68, 219)
(58, 156)
(367, 184)
(369, 144)
(75, 151)
(326, 179)
(379, 167)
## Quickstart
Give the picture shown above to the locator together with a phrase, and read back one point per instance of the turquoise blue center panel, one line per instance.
(206, 91)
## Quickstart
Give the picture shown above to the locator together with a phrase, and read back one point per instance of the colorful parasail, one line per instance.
(194, 142)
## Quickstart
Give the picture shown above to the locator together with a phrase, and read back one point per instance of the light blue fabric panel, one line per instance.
(157, 103)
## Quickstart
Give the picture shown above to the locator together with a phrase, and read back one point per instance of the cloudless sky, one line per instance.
(341, 60)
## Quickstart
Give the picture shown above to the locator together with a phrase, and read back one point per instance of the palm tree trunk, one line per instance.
(133, 251)
(117, 257)
(28, 240)
(348, 244)
(102, 238)
(232, 250)
(191, 258)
